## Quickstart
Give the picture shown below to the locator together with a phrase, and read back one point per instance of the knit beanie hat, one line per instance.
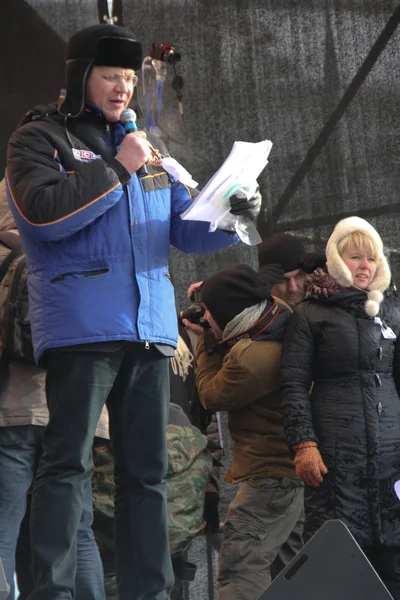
(228, 292)
(340, 271)
(98, 45)
(282, 249)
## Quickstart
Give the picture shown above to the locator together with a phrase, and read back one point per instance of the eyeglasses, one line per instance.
(117, 78)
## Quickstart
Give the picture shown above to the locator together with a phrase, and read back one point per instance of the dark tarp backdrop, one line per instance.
(253, 69)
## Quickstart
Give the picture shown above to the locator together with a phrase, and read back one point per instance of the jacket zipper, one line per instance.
(146, 342)
(62, 276)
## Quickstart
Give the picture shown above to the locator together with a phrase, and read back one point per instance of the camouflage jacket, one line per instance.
(189, 467)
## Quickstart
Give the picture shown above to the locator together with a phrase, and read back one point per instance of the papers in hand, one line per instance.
(238, 174)
(176, 170)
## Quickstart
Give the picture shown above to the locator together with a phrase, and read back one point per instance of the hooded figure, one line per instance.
(342, 345)
(264, 524)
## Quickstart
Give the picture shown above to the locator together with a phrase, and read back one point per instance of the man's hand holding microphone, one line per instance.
(135, 151)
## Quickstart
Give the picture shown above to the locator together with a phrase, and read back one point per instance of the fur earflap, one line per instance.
(336, 267)
(382, 277)
(339, 271)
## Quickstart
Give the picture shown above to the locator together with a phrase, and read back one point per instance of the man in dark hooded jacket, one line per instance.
(240, 374)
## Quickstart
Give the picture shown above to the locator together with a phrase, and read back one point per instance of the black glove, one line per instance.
(270, 275)
(246, 208)
(211, 514)
(311, 261)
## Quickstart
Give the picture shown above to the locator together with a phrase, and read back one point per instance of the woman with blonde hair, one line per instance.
(339, 372)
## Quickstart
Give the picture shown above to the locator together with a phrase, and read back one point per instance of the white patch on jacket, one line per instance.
(84, 155)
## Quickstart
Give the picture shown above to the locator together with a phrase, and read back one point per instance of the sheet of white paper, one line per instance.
(176, 170)
(243, 165)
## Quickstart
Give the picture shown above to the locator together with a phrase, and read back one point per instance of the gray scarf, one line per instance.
(244, 320)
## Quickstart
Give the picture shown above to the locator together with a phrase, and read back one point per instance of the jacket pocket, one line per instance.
(242, 545)
(77, 274)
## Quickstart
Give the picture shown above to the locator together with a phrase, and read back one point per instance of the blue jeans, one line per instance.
(134, 381)
(20, 450)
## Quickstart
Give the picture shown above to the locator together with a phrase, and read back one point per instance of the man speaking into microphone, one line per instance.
(97, 238)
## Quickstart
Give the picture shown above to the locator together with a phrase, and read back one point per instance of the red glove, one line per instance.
(309, 464)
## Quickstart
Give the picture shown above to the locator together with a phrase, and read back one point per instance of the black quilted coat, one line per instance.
(353, 411)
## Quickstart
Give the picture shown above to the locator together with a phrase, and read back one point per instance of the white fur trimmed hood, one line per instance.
(339, 271)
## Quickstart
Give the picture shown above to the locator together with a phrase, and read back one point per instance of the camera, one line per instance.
(193, 313)
(165, 53)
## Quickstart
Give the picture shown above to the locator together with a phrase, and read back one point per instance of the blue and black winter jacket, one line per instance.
(97, 250)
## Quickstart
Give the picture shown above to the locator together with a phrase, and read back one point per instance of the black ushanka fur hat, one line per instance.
(99, 45)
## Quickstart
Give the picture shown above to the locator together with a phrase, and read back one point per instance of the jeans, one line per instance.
(20, 449)
(134, 382)
(262, 533)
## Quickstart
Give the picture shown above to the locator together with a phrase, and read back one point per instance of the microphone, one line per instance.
(128, 120)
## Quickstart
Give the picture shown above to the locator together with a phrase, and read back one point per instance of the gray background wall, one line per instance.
(253, 69)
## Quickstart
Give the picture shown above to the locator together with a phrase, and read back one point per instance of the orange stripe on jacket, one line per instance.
(62, 218)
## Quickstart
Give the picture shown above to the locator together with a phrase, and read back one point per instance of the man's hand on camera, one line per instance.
(134, 152)
(195, 327)
(244, 207)
(193, 289)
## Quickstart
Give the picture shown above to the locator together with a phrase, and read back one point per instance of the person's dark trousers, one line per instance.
(386, 562)
(89, 578)
(134, 382)
(20, 449)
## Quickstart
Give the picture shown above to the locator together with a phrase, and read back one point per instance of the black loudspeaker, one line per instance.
(331, 566)
(4, 587)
